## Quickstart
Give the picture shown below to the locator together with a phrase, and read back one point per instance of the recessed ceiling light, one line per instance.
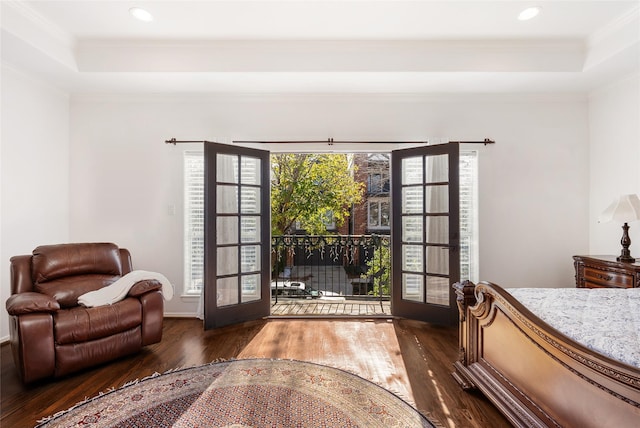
(528, 13)
(141, 14)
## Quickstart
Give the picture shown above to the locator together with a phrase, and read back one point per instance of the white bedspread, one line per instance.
(118, 290)
(603, 319)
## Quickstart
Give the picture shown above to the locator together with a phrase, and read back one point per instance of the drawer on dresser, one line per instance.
(606, 278)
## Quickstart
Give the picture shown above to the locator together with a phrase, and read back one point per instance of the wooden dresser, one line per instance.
(605, 271)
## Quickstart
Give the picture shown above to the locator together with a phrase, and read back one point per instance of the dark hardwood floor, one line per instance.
(410, 358)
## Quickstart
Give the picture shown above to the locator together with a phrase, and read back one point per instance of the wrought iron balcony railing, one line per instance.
(351, 266)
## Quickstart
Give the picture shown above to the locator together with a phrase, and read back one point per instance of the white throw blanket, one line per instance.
(118, 290)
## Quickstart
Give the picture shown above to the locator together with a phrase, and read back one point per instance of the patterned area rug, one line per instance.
(246, 393)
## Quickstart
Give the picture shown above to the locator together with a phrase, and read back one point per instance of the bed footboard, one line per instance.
(536, 376)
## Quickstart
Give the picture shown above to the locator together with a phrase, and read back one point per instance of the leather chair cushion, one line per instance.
(81, 324)
(51, 262)
(67, 290)
(76, 356)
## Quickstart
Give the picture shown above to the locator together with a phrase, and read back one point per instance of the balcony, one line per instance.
(330, 275)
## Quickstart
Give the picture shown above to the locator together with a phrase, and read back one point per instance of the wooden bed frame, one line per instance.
(536, 376)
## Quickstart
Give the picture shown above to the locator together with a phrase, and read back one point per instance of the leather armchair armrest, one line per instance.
(152, 317)
(143, 287)
(31, 302)
(33, 346)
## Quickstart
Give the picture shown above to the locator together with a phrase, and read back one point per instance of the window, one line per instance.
(193, 222)
(468, 215)
(329, 220)
(377, 173)
(378, 217)
(377, 183)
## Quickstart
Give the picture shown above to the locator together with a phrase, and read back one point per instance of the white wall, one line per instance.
(614, 127)
(35, 171)
(533, 181)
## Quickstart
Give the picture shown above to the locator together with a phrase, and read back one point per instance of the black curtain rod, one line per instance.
(174, 141)
(329, 141)
(485, 142)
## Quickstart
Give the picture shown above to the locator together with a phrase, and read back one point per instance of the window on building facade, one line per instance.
(377, 169)
(378, 213)
(377, 183)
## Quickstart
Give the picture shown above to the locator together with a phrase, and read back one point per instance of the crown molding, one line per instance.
(38, 21)
(616, 26)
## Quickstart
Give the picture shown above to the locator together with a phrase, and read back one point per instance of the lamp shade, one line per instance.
(624, 209)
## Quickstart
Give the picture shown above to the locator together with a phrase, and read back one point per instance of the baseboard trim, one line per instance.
(180, 315)
(4, 340)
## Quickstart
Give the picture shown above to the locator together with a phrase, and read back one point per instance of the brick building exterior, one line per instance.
(372, 214)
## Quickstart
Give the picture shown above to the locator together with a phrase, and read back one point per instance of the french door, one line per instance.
(425, 232)
(237, 235)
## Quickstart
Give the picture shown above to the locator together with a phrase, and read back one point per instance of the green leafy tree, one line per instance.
(379, 268)
(312, 189)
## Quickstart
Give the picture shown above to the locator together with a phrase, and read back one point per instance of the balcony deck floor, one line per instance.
(372, 308)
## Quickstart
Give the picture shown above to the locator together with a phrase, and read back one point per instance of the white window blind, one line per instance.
(468, 171)
(193, 222)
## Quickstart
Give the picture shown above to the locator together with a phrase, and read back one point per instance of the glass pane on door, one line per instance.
(437, 229)
(250, 170)
(227, 199)
(412, 170)
(250, 229)
(250, 200)
(438, 290)
(412, 287)
(438, 260)
(250, 287)
(436, 169)
(412, 258)
(227, 230)
(250, 256)
(412, 200)
(226, 168)
(227, 293)
(227, 260)
(412, 229)
(436, 199)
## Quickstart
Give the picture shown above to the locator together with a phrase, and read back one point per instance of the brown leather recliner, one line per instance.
(51, 335)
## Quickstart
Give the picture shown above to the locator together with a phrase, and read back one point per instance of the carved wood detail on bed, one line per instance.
(534, 374)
